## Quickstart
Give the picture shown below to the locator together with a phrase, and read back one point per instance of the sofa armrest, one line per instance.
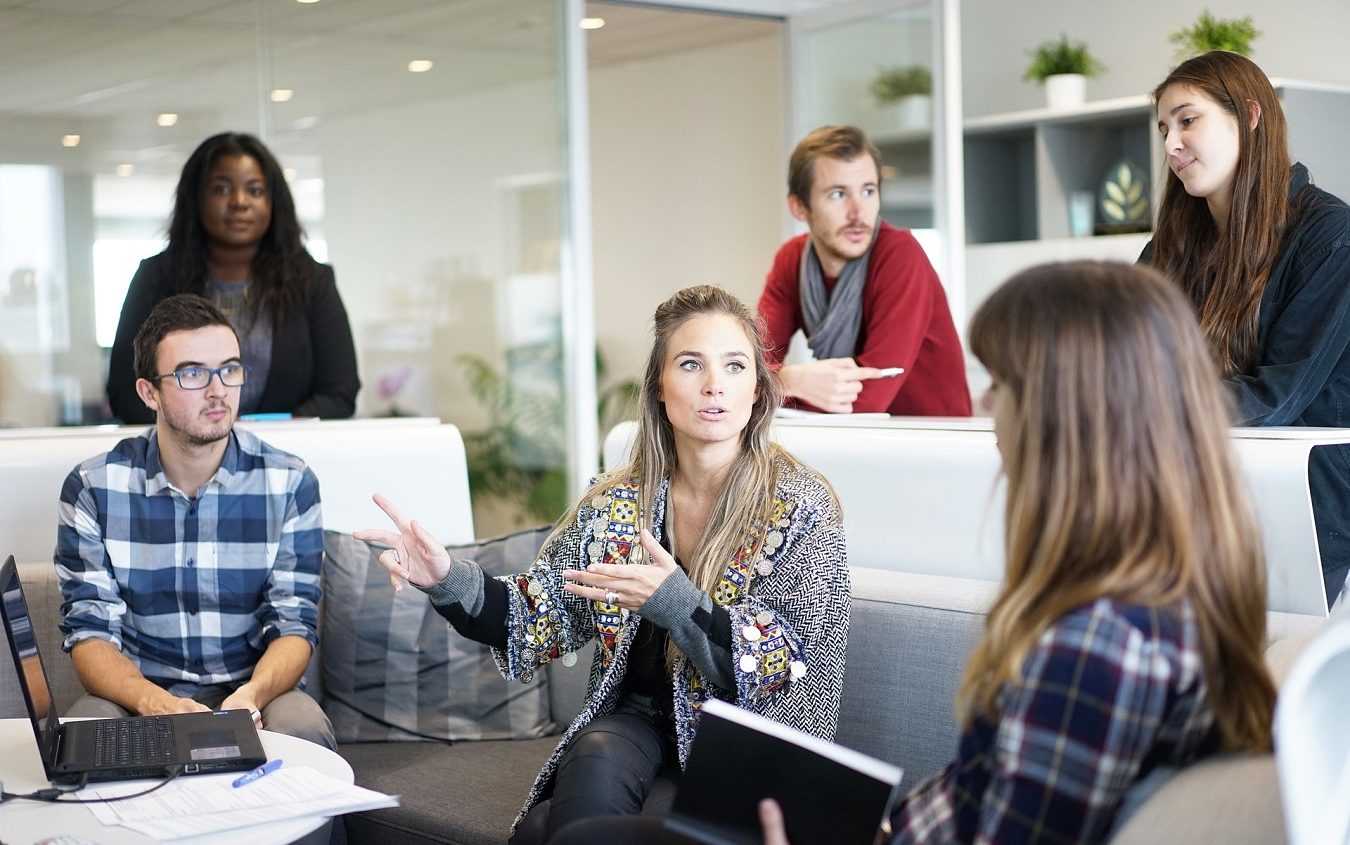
(1230, 798)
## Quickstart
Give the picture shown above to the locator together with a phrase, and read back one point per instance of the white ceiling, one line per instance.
(105, 68)
(772, 8)
(638, 31)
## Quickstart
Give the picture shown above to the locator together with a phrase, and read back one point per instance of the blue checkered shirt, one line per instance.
(1111, 691)
(192, 590)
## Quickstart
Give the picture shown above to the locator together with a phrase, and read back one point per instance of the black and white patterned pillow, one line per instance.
(394, 669)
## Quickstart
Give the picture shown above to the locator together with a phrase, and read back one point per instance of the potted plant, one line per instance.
(1063, 68)
(906, 94)
(1234, 35)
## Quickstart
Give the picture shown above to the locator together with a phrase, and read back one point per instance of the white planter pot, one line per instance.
(1065, 90)
(912, 112)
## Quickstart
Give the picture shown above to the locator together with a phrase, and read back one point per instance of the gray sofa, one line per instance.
(904, 663)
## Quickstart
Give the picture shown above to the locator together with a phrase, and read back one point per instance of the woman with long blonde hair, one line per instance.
(713, 564)
(1129, 629)
(1128, 632)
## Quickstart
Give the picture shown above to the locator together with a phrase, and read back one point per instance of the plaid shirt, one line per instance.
(1111, 691)
(192, 590)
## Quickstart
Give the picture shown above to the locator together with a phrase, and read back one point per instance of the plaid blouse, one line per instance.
(1111, 691)
(192, 590)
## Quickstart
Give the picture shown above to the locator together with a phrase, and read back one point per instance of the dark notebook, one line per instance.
(828, 793)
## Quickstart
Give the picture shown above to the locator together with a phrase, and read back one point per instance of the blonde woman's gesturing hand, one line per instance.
(413, 554)
(624, 585)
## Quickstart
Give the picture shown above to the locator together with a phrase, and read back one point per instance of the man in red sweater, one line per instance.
(862, 291)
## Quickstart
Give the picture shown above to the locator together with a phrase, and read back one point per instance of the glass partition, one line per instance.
(424, 143)
(888, 67)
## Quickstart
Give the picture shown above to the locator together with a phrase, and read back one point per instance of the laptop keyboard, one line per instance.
(126, 742)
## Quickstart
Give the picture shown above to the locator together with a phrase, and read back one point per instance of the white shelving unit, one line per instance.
(1031, 159)
(1022, 167)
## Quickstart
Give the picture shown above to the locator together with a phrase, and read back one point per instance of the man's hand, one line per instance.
(830, 384)
(165, 703)
(244, 699)
(771, 823)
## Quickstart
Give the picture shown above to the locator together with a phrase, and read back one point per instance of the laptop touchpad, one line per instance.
(212, 744)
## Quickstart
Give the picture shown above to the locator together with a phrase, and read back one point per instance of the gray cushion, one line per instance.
(393, 669)
(466, 794)
(904, 666)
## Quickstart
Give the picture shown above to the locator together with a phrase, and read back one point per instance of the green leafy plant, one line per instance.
(522, 454)
(1234, 35)
(896, 83)
(1063, 56)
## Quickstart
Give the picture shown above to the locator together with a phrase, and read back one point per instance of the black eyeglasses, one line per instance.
(197, 378)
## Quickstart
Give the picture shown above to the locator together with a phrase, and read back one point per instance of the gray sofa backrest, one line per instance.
(567, 686)
(904, 665)
(904, 662)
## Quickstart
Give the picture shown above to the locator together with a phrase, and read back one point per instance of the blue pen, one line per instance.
(265, 769)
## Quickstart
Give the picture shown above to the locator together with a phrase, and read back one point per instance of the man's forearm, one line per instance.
(787, 377)
(108, 673)
(279, 669)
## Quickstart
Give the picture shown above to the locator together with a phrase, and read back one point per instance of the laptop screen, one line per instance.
(23, 648)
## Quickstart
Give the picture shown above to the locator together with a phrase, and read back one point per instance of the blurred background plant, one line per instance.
(892, 84)
(1234, 35)
(387, 387)
(1054, 58)
(521, 457)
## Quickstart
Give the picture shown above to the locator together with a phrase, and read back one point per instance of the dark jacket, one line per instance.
(313, 369)
(1302, 372)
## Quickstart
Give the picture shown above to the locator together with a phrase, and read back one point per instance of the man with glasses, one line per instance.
(189, 556)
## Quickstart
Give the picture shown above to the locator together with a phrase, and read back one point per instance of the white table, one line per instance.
(26, 822)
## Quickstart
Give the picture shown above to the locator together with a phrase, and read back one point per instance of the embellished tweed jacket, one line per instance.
(789, 609)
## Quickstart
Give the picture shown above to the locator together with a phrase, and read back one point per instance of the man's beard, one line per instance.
(202, 434)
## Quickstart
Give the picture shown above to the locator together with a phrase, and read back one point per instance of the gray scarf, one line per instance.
(833, 318)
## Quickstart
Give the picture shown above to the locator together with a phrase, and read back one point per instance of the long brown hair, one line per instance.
(1225, 272)
(742, 505)
(1121, 481)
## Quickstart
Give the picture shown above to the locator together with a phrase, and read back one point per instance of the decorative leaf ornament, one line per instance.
(1124, 196)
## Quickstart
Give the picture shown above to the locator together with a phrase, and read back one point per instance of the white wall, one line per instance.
(418, 217)
(1305, 39)
(688, 183)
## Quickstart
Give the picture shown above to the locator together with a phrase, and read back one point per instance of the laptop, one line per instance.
(118, 749)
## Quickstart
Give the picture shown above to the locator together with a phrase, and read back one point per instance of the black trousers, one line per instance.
(609, 770)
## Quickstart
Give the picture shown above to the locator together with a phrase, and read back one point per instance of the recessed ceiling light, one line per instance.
(282, 95)
(592, 23)
(420, 65)
(309, 121)
(70, 140)
(168, 118)
(307, 2)
(289, 173)
(125, 169)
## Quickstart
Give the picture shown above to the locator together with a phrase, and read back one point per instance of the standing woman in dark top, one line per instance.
(234, 238)
(1264, 256)
(712, 564)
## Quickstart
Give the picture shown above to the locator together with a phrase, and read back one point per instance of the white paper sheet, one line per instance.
(197, 806)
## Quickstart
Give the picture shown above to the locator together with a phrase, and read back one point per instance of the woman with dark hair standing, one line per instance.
(1264, 256)
(234, 238)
